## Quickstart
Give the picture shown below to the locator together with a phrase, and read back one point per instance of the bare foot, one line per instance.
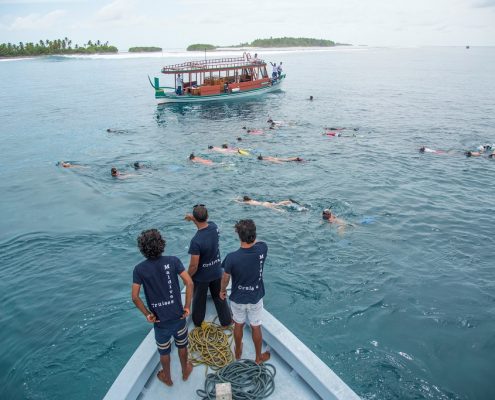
(264, 357)
(166, 380)
(189, 368)
(238, 352)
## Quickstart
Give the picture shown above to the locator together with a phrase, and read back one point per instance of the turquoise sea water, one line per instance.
(401, 305)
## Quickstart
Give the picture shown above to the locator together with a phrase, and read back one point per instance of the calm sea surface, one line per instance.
(401, 305)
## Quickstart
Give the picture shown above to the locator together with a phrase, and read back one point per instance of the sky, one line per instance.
(174, 24)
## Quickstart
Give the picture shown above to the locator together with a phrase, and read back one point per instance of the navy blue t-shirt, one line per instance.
(159, 278)
(246, 268)
(205, 245)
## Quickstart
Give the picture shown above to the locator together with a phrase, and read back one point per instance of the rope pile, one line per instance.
(210, 345)
(249, 381)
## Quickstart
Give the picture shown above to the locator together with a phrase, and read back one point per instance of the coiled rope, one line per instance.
(209, 344)
(249, 381)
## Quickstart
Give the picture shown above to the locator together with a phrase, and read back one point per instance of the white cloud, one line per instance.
(120, 13)
(36, 21)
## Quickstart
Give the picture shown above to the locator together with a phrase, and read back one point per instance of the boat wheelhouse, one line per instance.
(216, 79)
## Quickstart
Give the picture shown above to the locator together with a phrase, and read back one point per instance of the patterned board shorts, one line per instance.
(163, 336)
(253, 312)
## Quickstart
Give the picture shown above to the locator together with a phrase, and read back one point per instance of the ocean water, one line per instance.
(401, 304)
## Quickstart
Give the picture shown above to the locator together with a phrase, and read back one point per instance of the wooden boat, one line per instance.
(217, 79)
(300, 373)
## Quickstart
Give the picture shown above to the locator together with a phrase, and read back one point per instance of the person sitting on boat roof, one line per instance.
(199, 160)
(179, 83)
(158, 275)
(205, 267)
(279, 69)
(245, 267)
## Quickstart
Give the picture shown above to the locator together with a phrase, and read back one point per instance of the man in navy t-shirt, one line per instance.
(158, 276)
(245, 266)
(205, 267)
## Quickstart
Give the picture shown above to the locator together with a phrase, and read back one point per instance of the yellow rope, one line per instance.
(209, 344)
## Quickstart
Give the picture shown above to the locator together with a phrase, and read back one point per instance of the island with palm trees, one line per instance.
(54, 47)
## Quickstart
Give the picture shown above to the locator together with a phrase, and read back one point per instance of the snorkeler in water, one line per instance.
(199, 160)
(224, 149)
(278, 160)
(328, 216)
(270, 204)
(120, 175)
(253, 131)
(424, 149)
(67, 164)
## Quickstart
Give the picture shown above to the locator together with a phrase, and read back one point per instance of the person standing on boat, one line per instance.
(179, 83)
(279, 69)
(245, 266)
(205, 267)
(274, 70)
(158, 275)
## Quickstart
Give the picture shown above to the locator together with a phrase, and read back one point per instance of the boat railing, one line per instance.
(216, 63)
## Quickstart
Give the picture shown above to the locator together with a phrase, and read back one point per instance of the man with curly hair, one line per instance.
(245, 266)
(158, 275)
(205, 267)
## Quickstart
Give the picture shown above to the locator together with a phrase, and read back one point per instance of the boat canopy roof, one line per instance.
(216, 64)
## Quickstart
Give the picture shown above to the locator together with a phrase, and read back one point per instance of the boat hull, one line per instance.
(170, 97)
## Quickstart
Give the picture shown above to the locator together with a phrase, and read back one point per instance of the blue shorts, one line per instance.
(163, 336)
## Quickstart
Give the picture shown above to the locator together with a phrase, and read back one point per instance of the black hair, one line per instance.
(246, 229)
(200, 213)
(151, 243)
(239, 139)
(136, 165)
(113, 171)
(109, 130)
(246, 198)
(422, 149)
(468, 153)
(225, 146)
(244, 127)
(210, 146)
(260, 157)
(191, 156)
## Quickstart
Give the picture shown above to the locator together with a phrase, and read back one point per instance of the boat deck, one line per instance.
(288, 384)
(300, 373)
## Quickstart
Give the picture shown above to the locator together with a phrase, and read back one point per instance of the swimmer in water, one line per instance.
(310, 98)
(224, 149)
(117, 174)
(328, 216)
(239, 139)
(278, 160)
(199, 160)
(473, 153)
(424, 149)
(269, 204)
(66, 164)
(492, 155)
(253, 131)
(138, 165)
